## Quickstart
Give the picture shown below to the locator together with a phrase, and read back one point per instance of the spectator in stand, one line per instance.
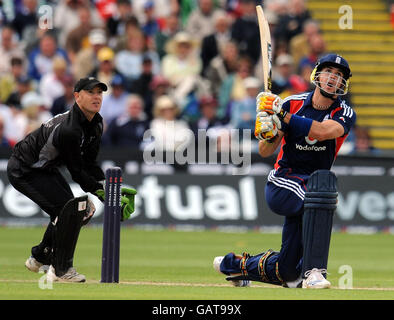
(78, 38)
(169, 133)
(129, 61)
(245, 31)
(114, 103)
(141, 86)
(4, 141)
(41, 58)
(278, 7)
(51, 84)
(4, 20)
(285, 82)
(201, 20)
(182, 66)
(304, 70)
(120, 42)
(66, 17)
(116, 24)
(222, 66)
(212, 43)
(9, 48)
(300, 44)
(86, 60)
(162, 8)
(150, 26)
(33, 33)
(33, 114)
(106, 69)
(233, 87)
(290, 24)
(363, 141)
(283, 69)
(159, 86)
(208, 120)
(26, 17)
(317, 49)
(66, 101)
(8, 82)
(243, 112)
(23, 85)
(11, 130)
(127, 130)
(169, 30)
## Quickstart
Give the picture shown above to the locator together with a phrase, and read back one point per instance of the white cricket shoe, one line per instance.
(70, 276)
(315, 279)
(33, 265)
(236, 283)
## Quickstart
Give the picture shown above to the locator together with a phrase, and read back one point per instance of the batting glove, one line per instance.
(266, 126)
(268, 102)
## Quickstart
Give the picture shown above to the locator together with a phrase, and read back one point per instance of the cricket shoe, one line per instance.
(236, 283)
(70, 276)
(35, 266)
(315, 279)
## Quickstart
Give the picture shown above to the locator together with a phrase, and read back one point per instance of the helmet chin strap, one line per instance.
(328, 95)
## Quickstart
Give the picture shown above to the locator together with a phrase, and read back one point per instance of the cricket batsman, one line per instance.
(70, 140)
(309, 129)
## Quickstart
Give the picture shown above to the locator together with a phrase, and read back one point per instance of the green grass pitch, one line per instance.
(176, 265)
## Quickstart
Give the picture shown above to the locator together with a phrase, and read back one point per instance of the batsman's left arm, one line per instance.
(320, 131)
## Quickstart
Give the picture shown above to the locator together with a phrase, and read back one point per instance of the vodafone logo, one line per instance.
(310, 141)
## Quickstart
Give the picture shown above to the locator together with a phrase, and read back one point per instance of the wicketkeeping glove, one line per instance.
(268, 102)
(100, 193)
(266, 126)
(127, 202)
(91, 209)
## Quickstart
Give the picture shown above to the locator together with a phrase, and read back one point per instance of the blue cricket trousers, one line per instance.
(284, 193)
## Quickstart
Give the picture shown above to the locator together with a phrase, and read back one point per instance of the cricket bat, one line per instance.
(266, 50)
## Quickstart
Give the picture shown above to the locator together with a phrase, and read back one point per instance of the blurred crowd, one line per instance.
(195, 62)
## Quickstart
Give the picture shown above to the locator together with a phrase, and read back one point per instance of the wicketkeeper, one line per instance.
(71, 139)
(310, 129)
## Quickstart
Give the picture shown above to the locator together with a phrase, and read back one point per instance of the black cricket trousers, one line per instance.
(48, 189)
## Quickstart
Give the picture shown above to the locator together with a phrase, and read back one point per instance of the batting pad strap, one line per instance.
(244, 259)
(278, 274)
(321, 200)
(262, 265)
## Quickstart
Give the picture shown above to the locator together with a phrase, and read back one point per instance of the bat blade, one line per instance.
(266, 49)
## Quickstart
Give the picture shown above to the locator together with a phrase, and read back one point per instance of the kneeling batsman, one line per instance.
(319, 205)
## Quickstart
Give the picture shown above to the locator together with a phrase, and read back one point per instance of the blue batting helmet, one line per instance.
(337, 61)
